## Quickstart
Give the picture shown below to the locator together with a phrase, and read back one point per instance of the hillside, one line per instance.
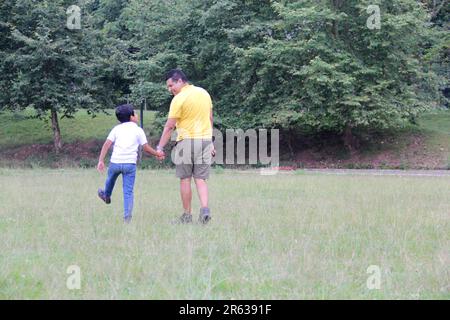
(422, 146)
(27, 142)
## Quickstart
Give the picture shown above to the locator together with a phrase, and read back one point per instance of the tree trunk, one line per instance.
(335, 24)
(56, 132)
(350, 141)
(289, 142)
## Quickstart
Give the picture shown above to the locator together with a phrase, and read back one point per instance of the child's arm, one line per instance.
(101, 158)
(152, 151)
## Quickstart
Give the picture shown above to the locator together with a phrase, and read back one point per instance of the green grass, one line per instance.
(425, 145)
(438, 121)
(436, 128)
(18, 129)
(289, 236)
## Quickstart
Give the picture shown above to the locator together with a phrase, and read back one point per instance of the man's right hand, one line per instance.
(160, 155)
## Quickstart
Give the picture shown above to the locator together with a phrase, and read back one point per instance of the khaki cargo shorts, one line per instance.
(192, 158)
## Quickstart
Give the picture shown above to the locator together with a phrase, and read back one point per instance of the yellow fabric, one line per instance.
(192, 108)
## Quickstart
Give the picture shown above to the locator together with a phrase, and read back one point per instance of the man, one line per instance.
(191, 114)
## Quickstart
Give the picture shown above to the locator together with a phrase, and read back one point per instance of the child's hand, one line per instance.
(101, 166)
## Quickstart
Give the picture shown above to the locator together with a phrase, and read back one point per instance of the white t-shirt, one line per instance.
(127, 137)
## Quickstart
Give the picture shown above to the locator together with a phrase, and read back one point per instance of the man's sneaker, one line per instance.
(205, 215)
(185, 218)
(102, 195)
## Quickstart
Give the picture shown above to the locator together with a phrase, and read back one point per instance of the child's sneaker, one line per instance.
(205, 215)
(101, 194)
(127, 220)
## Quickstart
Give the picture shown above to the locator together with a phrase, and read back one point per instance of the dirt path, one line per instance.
(360, 172)
(424, 173)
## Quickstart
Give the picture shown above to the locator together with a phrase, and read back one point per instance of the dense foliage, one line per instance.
(298, 65)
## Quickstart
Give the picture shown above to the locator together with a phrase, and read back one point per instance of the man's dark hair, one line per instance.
(175, 75)
(124, 112)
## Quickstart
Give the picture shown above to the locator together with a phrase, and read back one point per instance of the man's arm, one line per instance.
(101, 158)
(211, 118)
(168, 128)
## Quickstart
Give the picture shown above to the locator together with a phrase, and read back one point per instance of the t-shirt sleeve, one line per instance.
(112, 135)
(142, 138)
(175, 108)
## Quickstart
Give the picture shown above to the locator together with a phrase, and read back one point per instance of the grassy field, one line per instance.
(289, 236)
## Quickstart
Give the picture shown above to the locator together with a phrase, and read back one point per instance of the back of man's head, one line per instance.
(175, 75)
(124, 112)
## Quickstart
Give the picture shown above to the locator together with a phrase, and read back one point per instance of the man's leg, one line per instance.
(186, 194)
(202, 164)
(183, 169)
(128, 178)
(202, 190)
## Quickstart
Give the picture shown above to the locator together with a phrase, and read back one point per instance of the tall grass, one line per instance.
(271, 237)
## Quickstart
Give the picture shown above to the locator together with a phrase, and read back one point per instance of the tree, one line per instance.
(295, 65)
(322, 68)
(439, 55)
(49, 67)
(298, 65)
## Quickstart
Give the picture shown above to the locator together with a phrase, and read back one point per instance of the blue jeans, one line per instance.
(128, 171)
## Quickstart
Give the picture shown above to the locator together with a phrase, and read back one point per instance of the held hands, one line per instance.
(160, 155)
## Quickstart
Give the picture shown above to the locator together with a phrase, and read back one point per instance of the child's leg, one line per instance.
(114, 171)
(128, 178)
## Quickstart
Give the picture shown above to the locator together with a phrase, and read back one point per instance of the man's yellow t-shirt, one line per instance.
(192, 108)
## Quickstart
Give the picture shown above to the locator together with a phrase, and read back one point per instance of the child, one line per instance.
(126, 137)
